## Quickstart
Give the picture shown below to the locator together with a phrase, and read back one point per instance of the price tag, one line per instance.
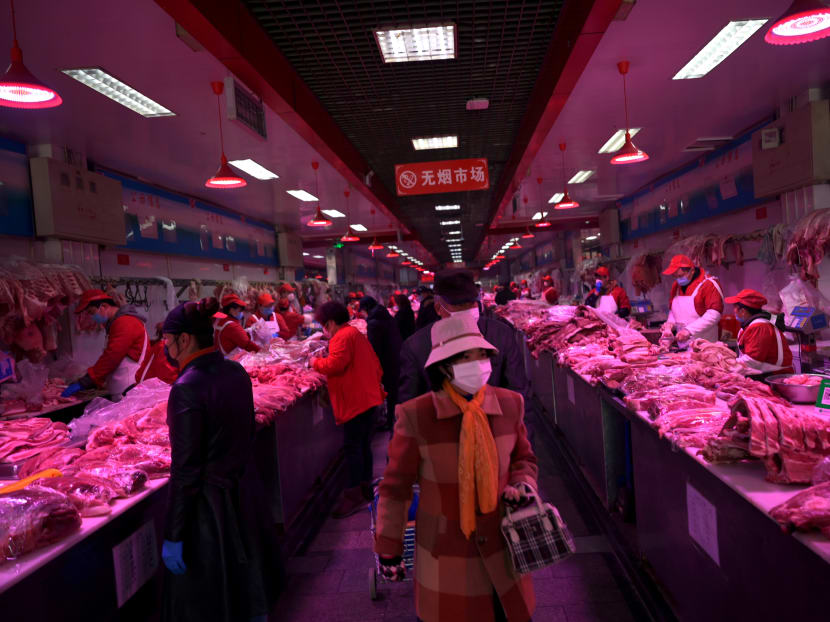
(703, 522)
(136, 560)
(571, 397)
(823, 399)
(6, 367)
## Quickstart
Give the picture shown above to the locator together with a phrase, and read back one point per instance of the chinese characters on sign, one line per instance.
(442, 176)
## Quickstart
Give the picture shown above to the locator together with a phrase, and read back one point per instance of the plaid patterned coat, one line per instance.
(455, 577)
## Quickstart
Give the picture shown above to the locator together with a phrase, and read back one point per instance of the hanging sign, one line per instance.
(442, 176)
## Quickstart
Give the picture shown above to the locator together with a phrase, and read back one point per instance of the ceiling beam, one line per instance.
(382, 238)
(578, 31)
(229, 32)
(564, 224)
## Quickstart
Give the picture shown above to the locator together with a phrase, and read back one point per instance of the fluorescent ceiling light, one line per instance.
(449, 223)
(729, 39)
(615, 143)
(318, 257)
(99, 80)
(434, 42)
(333, 213)
(253, 169)
(435, 142)
(302, 195)
(554, 199)
(305, 254)
(456, 240)
(358, 227)
(591, 237)
(580, 177)
(541, 215)
(453, 233)
(447, 208)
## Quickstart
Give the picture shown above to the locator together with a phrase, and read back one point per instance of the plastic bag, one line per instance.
(798, 293)
(32, 518)
(30, 388)
(67, 369)
(821, 472)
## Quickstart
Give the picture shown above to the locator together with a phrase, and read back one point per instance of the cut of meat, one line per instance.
(59, 458)
(24, 439)
(124, 481)
(808, 510)
(32, 518)
(89, 494)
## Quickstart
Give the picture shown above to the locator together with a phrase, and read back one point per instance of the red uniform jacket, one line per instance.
(155, 365)
(228, 335)
(708, 296)
(759, 342)
(126, 336)
(293, 321)
(354, 374)
(276, 317)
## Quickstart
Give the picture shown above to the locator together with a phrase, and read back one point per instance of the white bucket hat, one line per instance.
(454, 335)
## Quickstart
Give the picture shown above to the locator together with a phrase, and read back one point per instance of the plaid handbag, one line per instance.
(536, 536)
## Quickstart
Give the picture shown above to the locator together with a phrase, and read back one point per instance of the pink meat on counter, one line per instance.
(32, 518)
(89, 494)
(125, 481)
(808, 510)
(60, 458)
(24, 439)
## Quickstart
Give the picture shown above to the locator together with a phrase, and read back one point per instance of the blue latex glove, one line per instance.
(171, 554)
(72, 389)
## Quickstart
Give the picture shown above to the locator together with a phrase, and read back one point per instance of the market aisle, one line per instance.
(331, 580)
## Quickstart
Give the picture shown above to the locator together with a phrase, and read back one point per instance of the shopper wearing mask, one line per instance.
(383, 334)
(229, 335)
(427, 314)
(608, 296)
(504, 295)
(404, 316)
(466, 444)
(218, 547)
(456, 295)
(124, 360)
(291, 318)
(525, 291)
(762, 345)
(354, 382)
(265, 312)
(696, 303)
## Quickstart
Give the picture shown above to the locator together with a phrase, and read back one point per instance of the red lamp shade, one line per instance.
(374, 246)
(516, 246)
(528, 235)
(542, 224)
(20, 89)
(392, 254)
(319, 220)
(629, 154)
(406, 262)
(804, 21)
(567, 202)
(349, 236)
(225, 177)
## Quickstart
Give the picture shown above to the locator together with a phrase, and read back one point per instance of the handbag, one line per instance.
(536, 536)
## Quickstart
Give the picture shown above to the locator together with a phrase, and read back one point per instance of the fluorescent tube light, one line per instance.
(302, 195)
(453, 233)
(541, 215)
(333, 213)
(253, 169)
(591, 238)
(449, 223)
(305, 254)
(580, 177)
(615, 143)
(447, 208)
(729, 39)
(318, 257)
(99, 80)
(433, 42)
(358, 227)
(435, 142)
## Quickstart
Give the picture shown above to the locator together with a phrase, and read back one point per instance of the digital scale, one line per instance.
(642, 307)
(804, 322)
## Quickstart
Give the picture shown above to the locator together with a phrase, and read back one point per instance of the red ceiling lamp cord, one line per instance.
(566, 202)
(629, 154)
(349, 236)
(224, 177)
(805, 21)
(18, 87)
(319, 220)
(374, 246)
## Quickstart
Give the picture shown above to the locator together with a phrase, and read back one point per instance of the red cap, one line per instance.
(406, 291)
(265, 299)
(352, 295)
(397, 292)
(749, 298)
(286, 288)
(551, 295)
(602, 271)
(232, 299)
(512, 284)
(524, 282)
(360, 294)
(677, 262)
(90, 296)
(547, 278)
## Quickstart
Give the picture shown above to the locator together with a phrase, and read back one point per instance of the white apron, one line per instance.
(684, 312)
(607, 304)
(751, 362)
(217, 337)
(273, 325)
(124, 375)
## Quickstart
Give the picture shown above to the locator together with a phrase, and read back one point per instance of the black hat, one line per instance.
(457, 287)
(367, 303)
(195, 318)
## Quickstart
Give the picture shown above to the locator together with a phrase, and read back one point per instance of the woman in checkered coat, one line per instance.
(465, 443)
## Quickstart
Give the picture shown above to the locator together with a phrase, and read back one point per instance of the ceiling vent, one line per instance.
(245, 108)
(708, 143)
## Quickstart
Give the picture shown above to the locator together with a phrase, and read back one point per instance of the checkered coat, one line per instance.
(455, 577)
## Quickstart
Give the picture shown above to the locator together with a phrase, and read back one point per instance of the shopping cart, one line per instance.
(408, 556)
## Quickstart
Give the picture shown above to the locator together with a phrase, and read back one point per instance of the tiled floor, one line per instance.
(330, 581)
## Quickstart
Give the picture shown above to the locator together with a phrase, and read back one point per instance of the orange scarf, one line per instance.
(478, 460)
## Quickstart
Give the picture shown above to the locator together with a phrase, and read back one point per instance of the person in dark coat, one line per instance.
(505, 295)
(456, 294)
(405, 316)
(427, 314)
(386, 342)
(222, 564)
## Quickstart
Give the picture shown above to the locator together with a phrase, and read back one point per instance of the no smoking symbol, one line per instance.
(408, 179)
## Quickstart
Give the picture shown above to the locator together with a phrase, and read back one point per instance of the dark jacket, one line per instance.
(386, 342)
(405, 319)
(426, 313)
(213, 495)
(508, 365)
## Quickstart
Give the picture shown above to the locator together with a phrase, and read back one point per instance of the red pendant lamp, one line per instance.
(224, 177)
(392, 254)
(803, 22)
(319, 219)
(566, 202)
(349, 236)
(528, 235)
(629, 154)
(18, 87)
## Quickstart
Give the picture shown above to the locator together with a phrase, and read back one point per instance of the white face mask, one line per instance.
(473, 312)
(291, 297)
(469, 377)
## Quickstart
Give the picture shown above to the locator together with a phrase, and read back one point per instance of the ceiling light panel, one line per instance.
(302, 195)
(254, 169)
(453, 232)
(729, 39)
(428, 42)
(617, 140)
(580, 177)
(358, 227)
(450, 223)
(541, 215)
(447, 208)
(110, 86)
(333, 213)
(318, 257)
(435, 142)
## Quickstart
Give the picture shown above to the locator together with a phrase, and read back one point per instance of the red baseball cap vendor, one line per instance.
(696, 303)
(762, 345)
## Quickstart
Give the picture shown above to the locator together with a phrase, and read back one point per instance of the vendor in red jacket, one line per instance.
(123, 362)
(228, 334)
(292, 319)
(551, 296)
(696, 303)
(354, 381)
(265, 311)
(762, 345)
(608, 296)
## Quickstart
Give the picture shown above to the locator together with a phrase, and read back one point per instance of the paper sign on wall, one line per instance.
(703, 522)
(136, 560)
